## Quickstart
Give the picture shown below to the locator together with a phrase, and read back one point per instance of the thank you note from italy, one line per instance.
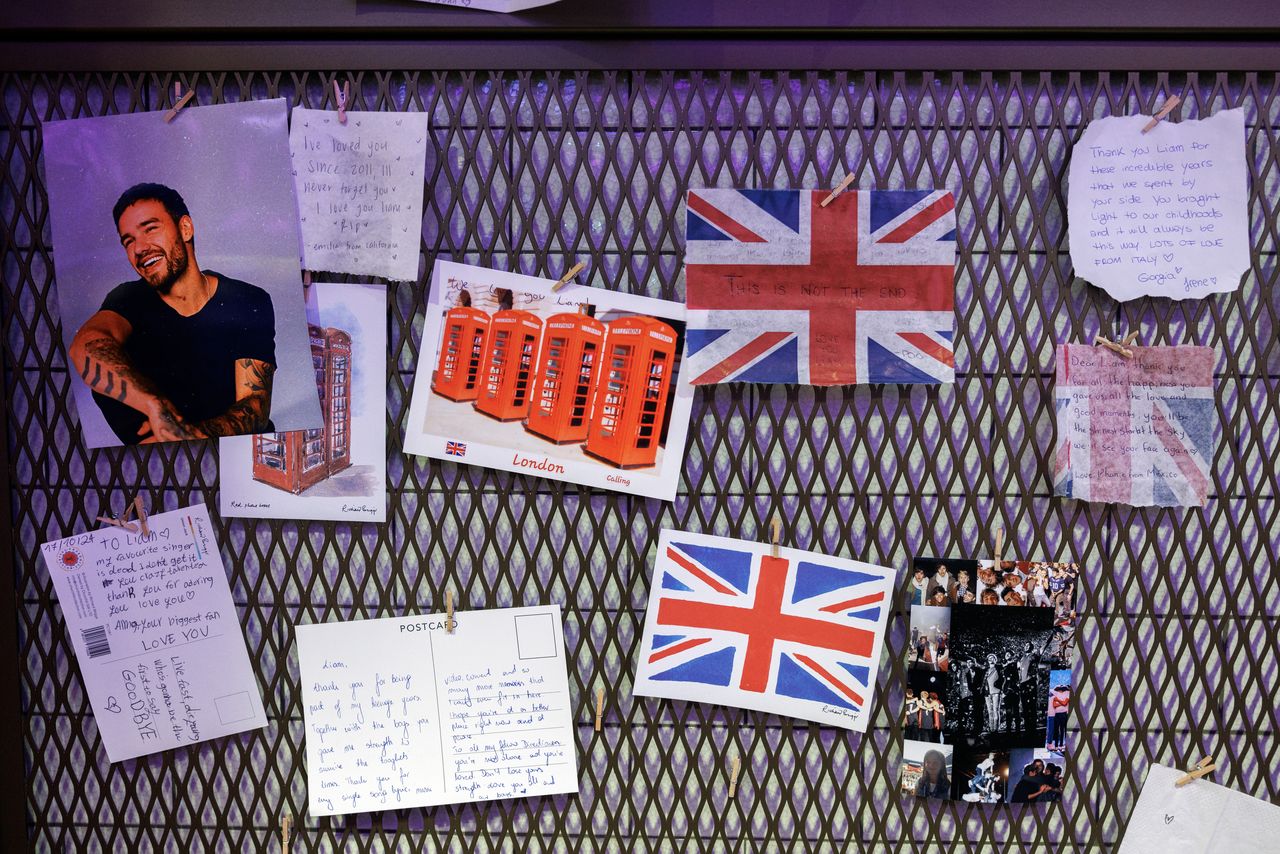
(156, 634)
(360, 190)
(1161, 213)
(401, 713)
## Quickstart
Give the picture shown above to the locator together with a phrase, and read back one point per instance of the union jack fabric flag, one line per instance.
(783, 290)
(1134, 431)
(799, 634)
(455, 449)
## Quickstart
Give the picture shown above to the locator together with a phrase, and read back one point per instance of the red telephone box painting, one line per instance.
(299, 459)
(630, 402)
(560, 404)
(462, 350)
(506, 376)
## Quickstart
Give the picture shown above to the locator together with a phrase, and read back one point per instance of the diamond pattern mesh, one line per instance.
(531, 170)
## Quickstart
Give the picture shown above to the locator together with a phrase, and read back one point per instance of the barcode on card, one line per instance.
(95, 640)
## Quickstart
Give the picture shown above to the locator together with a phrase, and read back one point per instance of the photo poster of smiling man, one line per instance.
(177, 274)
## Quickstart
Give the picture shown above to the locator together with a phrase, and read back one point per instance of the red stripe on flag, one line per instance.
(840, 686)
(680, 647)
(739, 360)
(693, 570)
(929, 347)
(917, 223)
(854, 603)
(734, 229)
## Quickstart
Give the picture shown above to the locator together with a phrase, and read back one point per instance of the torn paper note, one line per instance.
(360, 187)
(1134, 431)
(1162, 213)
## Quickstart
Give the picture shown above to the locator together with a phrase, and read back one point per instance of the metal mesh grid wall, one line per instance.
(527, 171)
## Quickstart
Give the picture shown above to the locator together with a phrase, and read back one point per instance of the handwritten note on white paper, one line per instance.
(156, 634)
(360, 188)
(1198, 818)
(1162, 213)
(400, 713)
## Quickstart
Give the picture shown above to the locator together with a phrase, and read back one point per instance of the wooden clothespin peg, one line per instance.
(567, 277)
(306, 278)
(122, 521)
(735, 766)
(285, 821)
(1130, 339)
(179, 101)
(340, 95)
(599, 708)
(775, 532)
(1123, 352)
(1204, 766)
(1165, 110)
(840, 188)
(142, 515)
(448, 606)
(999, 549)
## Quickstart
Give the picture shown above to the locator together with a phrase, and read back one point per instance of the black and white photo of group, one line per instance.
(989, 684)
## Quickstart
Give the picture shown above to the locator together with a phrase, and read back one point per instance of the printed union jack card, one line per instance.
(1134, 431)
(782, 290)
(799, 634)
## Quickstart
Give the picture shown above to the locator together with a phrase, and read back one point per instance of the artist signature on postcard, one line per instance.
(852, 714)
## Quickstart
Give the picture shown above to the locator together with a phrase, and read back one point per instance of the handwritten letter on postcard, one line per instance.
(1162, 213)
(1134, 431)
(400, 713)
(156, 634)
(360, 191)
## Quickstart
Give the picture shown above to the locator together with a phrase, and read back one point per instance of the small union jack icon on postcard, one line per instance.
(798, 634)
(456, 449)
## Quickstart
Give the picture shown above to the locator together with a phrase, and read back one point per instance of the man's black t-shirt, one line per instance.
(1028, 785)
(190, 360)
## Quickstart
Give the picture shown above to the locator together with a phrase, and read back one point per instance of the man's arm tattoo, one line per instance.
(165, 423)
(249, 414)
(244, 416)
(113, 374)
(120, 394)
(259, 375)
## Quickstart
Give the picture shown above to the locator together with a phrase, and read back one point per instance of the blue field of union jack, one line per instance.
(799, 634)
(782, 290)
